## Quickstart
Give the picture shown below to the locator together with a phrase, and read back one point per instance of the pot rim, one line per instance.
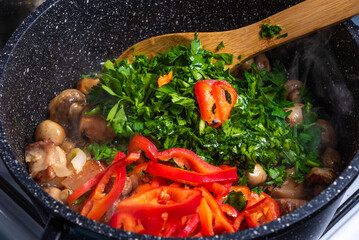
(57, 209)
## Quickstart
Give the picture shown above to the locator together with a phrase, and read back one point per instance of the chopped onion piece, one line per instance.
(79, 160)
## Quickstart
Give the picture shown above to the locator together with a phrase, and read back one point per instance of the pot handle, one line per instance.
(53, 230)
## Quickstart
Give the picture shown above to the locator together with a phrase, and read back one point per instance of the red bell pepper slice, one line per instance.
(185, 157)
(171, 226)
(188, 177)
(229, 210)
(213, 103)
(176, 202)
(207, 102)
(266, 210)
(126, 222)
(91, 182)
(260, 209)
(224, 107)
(206, 218)
(153, 225)
(255, 198)
(190, 226)
(98, 203)
(139, 143)
(221, 221)
(120, 160)
(163, 80)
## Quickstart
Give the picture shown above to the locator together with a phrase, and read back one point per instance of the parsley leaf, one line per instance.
(221, 45)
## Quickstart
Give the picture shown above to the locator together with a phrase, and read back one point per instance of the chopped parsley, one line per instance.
(105, 152)
(221, 45)
(256, 132)
(257, 190)
(282, 36)
(270, 31)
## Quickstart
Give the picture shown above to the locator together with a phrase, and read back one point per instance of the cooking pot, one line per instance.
(64, 39)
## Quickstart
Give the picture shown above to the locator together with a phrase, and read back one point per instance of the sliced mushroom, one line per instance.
(95, 128)
(262, 62)
(287, 205)
(296, 116)
(328, 137)
(319, 179)
(331, 159)
(54, 192)
(45, 176)
(293, 88)
(289, 189)
(320, 176)
(85, 85)
(67, 146)
(247, 65)
(66, 108)
(127, 189)
(50, 130)
(64, 194)
(43, 154)
(257, 177)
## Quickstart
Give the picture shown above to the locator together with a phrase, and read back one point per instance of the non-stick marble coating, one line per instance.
(64, 39)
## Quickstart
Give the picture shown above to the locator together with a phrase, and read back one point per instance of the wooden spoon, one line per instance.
(297, 21)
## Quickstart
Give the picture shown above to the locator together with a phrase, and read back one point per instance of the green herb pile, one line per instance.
(130, 99)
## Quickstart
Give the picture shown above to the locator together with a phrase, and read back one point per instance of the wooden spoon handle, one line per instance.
(297, 21)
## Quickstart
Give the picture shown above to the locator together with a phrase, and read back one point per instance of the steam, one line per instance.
(315, 64)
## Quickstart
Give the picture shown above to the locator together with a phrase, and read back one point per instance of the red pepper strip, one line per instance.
(119, 156)
(177, 202)
(171, 226)
(255, 198)
(219, 90)
(142, 188)
(158, 181)
(191, 225)
(207, 102)
(121, 160)
(126, 222)
(237, 224)
(206, 217)
(176, 184)
(162, 80)
(212, 101)
(185, 157)
(153, 225)
(217, 188)
(220, 219)
(266, 210)
(139, 143)
(98, 203)
(91, 182)
(229, 210)
(102, 205)
(139, 168)
(188, 177)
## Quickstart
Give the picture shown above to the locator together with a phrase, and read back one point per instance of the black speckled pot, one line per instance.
(64, 39)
